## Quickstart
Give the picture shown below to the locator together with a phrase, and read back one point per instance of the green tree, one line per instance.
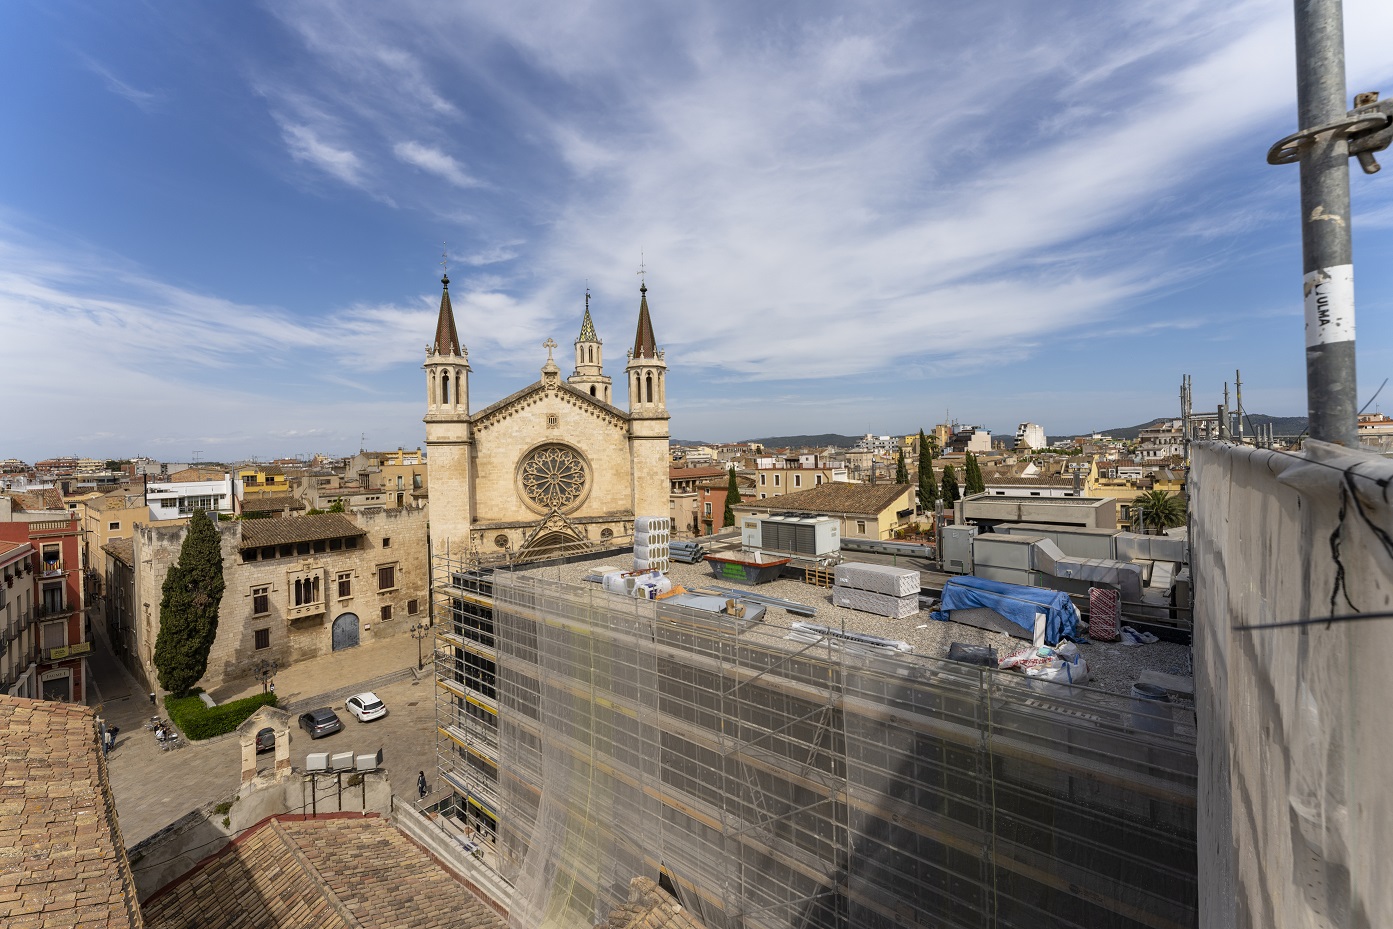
(901, 472)
(189, 603)
(972, 479)
(950, 491)
(1160, 510)
(336, 506)
(732, 498)
(928, 487)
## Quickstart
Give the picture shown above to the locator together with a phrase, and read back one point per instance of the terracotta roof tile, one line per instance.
(270, 503)
(645, 346)
(833, 497)
(650, 907)
(62, 860)
(292, 529)
(122, 550)
(446, 337)
(306, 873)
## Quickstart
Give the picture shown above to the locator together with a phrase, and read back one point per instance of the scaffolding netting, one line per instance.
(771, 781)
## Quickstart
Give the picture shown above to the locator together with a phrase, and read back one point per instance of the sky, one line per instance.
(222, 224)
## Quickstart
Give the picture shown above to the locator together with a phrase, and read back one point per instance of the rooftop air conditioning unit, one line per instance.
(806, 536)
(317, 761)
(342, 761)
(370, 762)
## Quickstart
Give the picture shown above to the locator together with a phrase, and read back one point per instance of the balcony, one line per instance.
(52, 610)
(52, 568)
(304, 610)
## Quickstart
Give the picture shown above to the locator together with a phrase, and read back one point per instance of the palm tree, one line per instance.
(1160, 510)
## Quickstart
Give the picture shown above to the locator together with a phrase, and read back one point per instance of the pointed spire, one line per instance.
(645, 346)
(587, 326)
(446, 338)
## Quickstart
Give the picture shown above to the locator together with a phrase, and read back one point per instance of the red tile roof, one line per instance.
(834, 497)
(62, 860)
(297, 872)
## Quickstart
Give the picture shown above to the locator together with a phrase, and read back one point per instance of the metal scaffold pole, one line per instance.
(1327, 257)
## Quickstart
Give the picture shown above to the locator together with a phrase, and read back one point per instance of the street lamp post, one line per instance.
(419, 633)
(265, 670)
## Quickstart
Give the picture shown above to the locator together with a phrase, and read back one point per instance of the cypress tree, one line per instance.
(189, 603)
(972, 480)
(732, 498)
(928, 487)
(901, 472)
(950, 486)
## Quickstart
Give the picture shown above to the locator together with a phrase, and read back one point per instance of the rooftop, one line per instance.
(1113, 667)
(122, 550)
(270, 503)
(835, 497)
(62, 861)
(293, 529)
(336, 872)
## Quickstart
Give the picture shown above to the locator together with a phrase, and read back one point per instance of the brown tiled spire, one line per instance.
(645, 346)
(446, 338)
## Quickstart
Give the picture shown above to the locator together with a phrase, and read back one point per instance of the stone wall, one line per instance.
(292, 638)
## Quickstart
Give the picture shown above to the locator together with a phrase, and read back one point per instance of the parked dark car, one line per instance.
(265, 740)
(320, 722)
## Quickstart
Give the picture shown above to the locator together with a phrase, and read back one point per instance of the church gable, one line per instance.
(550, 447)
(516, 403)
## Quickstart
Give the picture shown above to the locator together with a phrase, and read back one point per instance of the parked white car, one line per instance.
(366, 707)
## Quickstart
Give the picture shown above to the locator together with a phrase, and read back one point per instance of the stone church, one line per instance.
(554, 468)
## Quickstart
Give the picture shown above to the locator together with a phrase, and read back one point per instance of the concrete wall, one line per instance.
(1295, 812)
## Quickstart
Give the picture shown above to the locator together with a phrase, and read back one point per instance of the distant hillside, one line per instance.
(807, 441)
(789, 441)
(1281, 425)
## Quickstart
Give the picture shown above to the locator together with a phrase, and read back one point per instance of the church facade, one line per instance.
(553, 469)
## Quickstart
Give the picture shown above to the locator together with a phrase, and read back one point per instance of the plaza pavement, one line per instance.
(154, 788)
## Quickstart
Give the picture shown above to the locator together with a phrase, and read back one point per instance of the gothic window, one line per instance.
(592, 390)
(649, 398)
(445, 389)
(553, 477)
(591, 353)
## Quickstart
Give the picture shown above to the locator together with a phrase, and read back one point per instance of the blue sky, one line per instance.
(221, 224)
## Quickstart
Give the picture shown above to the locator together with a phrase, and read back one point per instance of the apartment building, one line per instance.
(56, 607)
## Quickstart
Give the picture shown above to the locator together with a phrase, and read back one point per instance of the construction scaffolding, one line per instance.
(774, 782)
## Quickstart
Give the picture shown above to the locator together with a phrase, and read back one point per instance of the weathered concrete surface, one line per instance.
(1295, 810)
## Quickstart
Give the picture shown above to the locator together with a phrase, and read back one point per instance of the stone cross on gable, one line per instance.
(549, 344)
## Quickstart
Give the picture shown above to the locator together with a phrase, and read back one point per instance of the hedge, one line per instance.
(197, 721)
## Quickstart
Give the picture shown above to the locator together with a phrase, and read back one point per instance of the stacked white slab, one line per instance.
(651, 537)
(878, 578)
(879, 589)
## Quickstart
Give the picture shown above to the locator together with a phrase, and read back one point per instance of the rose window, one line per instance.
(553, 477)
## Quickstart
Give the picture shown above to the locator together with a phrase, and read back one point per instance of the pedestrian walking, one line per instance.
(421, 786)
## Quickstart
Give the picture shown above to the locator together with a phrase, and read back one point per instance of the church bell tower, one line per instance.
(589, 374)
(648, 417)
(449, 433)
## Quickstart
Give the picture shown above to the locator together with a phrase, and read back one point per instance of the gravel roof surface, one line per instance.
(1112, 666)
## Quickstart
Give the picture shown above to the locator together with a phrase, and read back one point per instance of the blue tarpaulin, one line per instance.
(1017, 603)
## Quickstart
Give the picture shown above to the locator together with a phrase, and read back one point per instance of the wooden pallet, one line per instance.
(819, 576)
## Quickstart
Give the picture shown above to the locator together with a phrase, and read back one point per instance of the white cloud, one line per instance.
(306, 146)
(144, 99)
(435, 161)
